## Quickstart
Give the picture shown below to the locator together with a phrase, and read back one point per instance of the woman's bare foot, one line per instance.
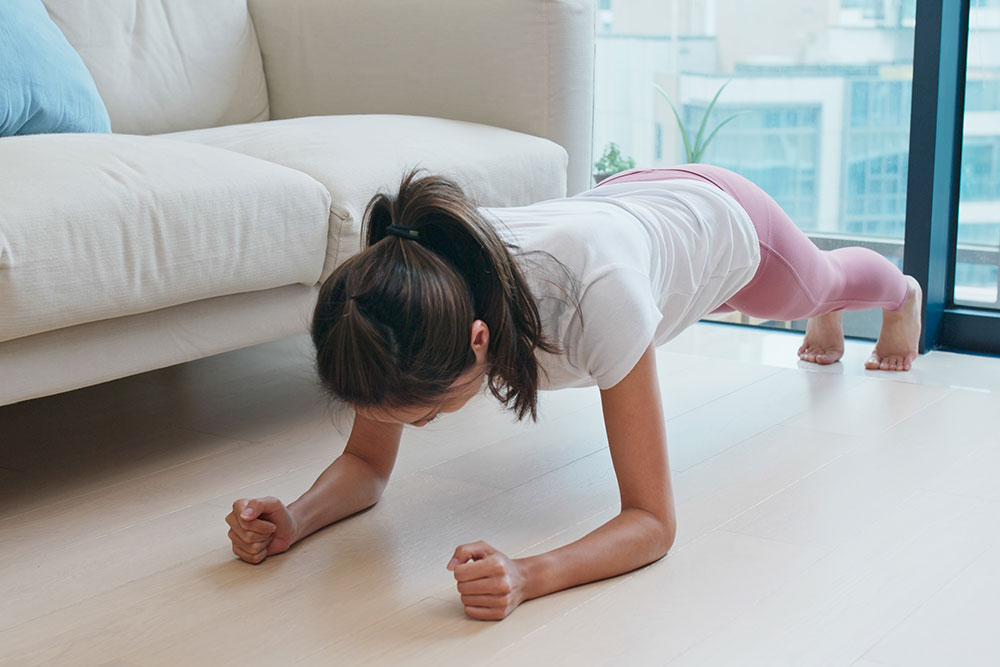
(824, 342)
(899, 341)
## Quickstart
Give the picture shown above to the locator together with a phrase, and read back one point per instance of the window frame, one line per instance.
(940, 55)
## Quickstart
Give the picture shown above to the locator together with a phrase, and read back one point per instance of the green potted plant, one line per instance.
(694, 148)
(611, 163)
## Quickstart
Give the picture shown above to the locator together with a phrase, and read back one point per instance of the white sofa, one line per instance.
(248, 136)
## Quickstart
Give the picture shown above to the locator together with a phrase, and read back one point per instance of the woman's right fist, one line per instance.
(260, 527)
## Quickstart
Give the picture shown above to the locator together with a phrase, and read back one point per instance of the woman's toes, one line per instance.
(819, 355)
(815, 356)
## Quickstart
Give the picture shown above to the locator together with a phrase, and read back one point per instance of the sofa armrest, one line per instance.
(523, 65)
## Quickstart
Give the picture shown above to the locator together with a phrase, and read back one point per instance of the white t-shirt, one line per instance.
(647, 259)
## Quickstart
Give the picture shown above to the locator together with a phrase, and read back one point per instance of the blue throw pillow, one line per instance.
(44, 85)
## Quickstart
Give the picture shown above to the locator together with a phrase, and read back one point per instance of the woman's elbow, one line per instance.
(661, 530)
(666, 522)
(665, 536)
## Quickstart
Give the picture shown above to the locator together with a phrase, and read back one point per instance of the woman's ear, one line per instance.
(480, 340)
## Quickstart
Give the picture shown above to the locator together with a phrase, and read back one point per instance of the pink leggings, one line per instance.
(795, 280)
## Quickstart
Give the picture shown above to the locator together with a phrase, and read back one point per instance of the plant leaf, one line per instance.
(699, 149)
(680, 124)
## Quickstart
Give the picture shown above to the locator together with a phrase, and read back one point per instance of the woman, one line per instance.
(571, 292)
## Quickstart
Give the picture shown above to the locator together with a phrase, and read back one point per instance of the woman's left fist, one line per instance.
(491, 585)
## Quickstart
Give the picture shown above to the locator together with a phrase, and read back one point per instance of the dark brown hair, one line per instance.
(392, 325)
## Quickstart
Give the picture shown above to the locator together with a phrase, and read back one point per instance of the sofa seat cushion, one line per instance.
(99, 226)
(355, 156)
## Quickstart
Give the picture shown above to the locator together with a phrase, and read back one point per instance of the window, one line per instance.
(978, 252)
(981, 169)
(982, 94)
(775, 147)
(876, 148)
(825, 93)
(823, 102)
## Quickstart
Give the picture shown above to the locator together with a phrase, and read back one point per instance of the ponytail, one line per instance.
(392, 324)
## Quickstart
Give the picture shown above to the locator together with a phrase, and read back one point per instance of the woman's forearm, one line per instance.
(493, 585)
(346, 487)
(632, 539)
(644, 531)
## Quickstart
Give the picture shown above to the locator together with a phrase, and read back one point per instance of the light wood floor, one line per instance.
(828, 516)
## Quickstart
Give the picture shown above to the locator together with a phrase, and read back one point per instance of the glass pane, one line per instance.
(976, 279)
(822, 92)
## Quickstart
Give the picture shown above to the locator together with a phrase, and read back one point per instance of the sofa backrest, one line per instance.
(523, 65)
(168, 65)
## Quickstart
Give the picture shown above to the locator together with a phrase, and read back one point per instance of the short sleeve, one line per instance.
(619, 320)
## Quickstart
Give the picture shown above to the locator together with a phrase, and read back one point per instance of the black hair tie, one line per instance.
(403, 232)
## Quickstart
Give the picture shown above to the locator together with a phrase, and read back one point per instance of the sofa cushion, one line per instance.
(95, 226)
(356, 156)
(165, 65)
(44, 86)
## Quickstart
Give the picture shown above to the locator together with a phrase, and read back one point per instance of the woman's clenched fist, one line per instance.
(260, 527)
(491, 584)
